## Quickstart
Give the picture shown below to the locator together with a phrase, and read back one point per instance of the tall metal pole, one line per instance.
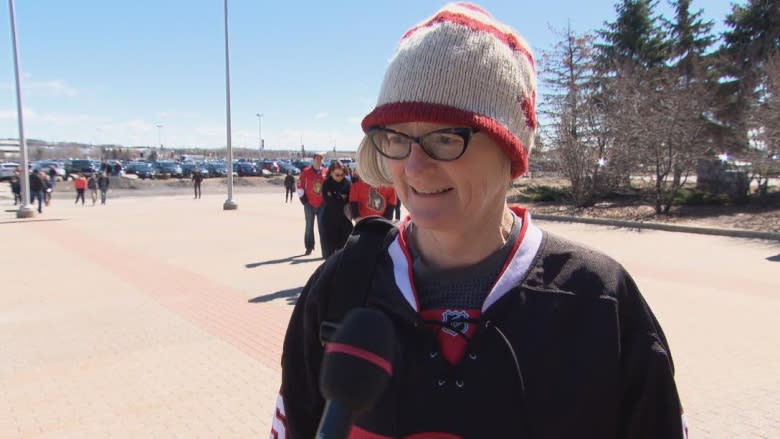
(25, 209)
(260, 133)
(229, 203)
(159, 135)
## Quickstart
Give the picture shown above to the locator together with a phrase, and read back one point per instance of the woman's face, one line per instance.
(337, 174)
(454, 195)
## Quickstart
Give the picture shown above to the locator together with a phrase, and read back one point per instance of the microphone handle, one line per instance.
(336, 421)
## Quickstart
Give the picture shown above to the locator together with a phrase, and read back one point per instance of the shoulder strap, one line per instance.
(354, 271)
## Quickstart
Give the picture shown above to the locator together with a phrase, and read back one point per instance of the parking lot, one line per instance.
(163, 316)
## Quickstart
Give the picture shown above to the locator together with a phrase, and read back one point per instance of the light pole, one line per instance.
(159, 135)
(25, 209)
(229, 203)
(260, 133)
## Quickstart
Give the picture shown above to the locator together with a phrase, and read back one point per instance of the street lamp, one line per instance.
(159, 135)
(260, 133)
(229, 203)
(25, 209)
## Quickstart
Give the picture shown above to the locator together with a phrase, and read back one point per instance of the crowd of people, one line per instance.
(334, 197)
(43, 182)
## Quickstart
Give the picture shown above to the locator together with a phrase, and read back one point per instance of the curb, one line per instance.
(735, 233)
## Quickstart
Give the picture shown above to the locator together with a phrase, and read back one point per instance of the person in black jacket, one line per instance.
(197, 179)
(37, 188)
(503, 330)
(16, 188)
(335, 191)
(103, 183)
(289, 187)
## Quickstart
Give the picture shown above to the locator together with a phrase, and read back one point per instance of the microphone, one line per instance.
(356, 368)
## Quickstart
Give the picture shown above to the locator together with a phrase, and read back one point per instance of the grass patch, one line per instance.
(543, 193)
(693, 197)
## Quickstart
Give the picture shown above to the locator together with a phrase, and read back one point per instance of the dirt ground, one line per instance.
(750, 216)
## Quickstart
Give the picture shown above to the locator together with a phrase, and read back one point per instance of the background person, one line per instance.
(37, 188)
(80, 184)
(197, 179)
(504, 330)
(16, 188)
(92, 185)
(310, 194)
(335, 191)
(104, 182)
(289, 187)
(366, 200)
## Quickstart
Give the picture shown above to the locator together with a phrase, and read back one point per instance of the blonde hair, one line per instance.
(371, 165)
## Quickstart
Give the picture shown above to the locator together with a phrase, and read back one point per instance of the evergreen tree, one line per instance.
(690, 39)
(635, 38)
(754, 35)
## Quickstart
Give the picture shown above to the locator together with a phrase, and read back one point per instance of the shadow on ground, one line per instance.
(291, 295)
(292, 260)
(30, 220)
(775, 258)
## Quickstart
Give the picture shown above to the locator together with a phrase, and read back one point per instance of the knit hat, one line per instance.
(463, 67)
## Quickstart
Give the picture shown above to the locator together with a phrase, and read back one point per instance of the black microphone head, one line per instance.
(358, 361)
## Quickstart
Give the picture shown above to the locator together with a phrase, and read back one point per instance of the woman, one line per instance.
(335, 191)
(503, 330)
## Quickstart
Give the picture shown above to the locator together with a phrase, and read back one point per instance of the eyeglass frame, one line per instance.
(465, 133)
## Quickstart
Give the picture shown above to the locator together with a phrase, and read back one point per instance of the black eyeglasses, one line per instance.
(445, 145)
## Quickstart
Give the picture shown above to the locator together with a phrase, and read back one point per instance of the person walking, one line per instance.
(335, 191)
(197, 179)
(310, 193)
(37, 188)
(16, 188)
(104, 182)
(289, 187)
(496, 328)
(92, 185)
(52, 176)
(80, 183)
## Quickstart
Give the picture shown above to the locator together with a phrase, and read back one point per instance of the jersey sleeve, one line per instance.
(650, 404)
(299, 404)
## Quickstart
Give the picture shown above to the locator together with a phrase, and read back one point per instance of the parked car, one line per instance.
(143, 170)
(245, 169)
(80, 166)
(216, 169)
(169, 168)
(188, 167)
(45, 165)
(284, 167)
(7, 170)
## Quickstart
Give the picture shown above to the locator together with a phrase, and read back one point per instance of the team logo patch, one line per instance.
(376, 201)
(317, 187)
(455, 322)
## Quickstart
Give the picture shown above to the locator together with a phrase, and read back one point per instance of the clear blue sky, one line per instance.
(111, 71)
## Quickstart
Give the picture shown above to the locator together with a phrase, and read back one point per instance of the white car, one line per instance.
(7, 170)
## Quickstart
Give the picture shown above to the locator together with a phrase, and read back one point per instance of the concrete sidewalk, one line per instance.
(164, 317)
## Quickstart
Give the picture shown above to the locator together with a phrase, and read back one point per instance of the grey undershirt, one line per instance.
(462, 287)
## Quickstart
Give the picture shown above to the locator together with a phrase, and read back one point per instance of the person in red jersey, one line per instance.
(503, 330)
(366, 200)
(310, 193)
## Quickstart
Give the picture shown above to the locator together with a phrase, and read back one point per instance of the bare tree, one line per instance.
(659, 121)
(568, 72)
(764, 123)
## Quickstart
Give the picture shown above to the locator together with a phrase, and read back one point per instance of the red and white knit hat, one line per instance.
(463, 67)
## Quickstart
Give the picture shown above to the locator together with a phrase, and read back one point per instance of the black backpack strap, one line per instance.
(354, 271)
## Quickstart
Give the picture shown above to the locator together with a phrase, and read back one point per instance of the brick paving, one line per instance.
(164, 317)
